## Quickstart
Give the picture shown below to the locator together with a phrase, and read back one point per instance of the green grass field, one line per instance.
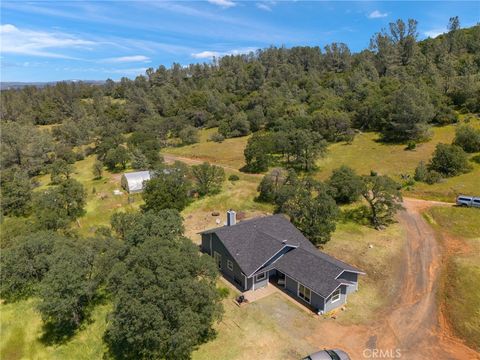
(21, 329)
(460, 290)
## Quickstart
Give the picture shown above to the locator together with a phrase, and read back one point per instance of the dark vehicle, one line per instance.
(334, 354)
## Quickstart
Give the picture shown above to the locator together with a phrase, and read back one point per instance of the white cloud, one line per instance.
(433, 33)
(377, 14)
(266, 5)
(205, 54)
(263, 6)
(38, 43)
(209, 54)
(129, 71)
(223, 3)
(127, 59)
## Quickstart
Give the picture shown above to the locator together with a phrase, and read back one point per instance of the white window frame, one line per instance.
(304, 298)
(230, 265)
(218, 259)
(337, 295)
(260, 277)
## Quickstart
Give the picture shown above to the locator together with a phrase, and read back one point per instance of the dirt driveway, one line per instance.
(413, 327)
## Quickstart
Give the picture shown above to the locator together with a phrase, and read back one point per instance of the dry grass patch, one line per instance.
(270, 328)
(228, 153)
(458, 230)
(368, 153)
(239, 195)
(376, 253)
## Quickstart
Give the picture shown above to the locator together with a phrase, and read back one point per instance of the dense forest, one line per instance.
(294, 101)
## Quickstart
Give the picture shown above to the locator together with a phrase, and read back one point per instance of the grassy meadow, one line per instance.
(458, 230)
(364, 154)
(21, 335)
(227, 153)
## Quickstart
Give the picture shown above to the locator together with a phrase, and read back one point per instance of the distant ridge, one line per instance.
(9, 85)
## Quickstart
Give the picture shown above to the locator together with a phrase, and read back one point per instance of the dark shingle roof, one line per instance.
(253, 242)
(315, 272)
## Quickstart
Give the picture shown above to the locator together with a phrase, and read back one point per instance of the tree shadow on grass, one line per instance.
(359, 215)
(56, 334)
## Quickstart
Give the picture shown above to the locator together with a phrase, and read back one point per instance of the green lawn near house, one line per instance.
(458, 230)
(21, 329)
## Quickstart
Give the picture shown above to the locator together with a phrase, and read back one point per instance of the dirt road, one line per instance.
(169, 159)
(413, 327)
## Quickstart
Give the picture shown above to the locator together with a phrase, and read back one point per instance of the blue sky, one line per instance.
(55, 40)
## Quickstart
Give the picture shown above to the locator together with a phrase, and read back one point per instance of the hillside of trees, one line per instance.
(295, 100)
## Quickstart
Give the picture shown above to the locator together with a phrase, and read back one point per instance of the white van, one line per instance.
(464, 200)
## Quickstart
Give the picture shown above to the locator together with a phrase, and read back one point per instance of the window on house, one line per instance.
(304, 293)
(218, 259)
(260, 277)
(230, 265)
(336, 295)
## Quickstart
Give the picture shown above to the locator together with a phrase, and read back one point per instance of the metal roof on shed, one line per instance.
(135, 179)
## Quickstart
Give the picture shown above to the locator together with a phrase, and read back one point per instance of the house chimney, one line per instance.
(231, 217)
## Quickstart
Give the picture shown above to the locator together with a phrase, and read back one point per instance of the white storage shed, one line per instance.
(134, 182)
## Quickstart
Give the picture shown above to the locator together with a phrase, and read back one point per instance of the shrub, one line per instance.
(433, 177)
(80, 156)
(467, 138)
(233, 177)
(223, 292)
(420, 172)
(411, 145)
(476, 159)
(217, 137)
(449, 160)
(189, 135)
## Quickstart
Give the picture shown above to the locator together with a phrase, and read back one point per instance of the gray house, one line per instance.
(255, 252)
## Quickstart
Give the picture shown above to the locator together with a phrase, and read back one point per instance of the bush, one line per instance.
(189, 135)
(411, 145)
(433, 177)
(223, 292)
(421, 172)
(476, 159)
(449, 160)
(233, 177)
(467, 138)
(217, 137)
(80, 156)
